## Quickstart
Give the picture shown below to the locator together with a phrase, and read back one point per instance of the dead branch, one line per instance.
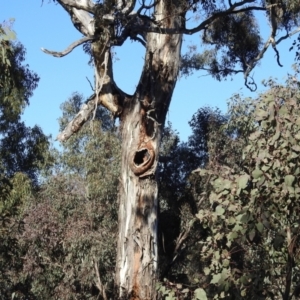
(69, 49)
(79, 120)
(105, 98)
(98, 282)
(182, 238)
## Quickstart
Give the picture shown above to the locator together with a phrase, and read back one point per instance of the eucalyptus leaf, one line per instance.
(252, 235)
(261, 114)
(257, 173)
(260, 227)
(216, 278)
(200, 294)
(289, 180)
(243, 181)
(220, 210)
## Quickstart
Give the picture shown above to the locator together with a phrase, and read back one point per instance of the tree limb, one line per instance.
(69, 49)
(269, 42)
(252, 64)
(86, 5)
(79, 120)
(287, 35)
(232, 10)
(81, 19)
(107, 100)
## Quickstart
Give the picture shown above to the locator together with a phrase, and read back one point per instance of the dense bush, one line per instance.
(252, 222)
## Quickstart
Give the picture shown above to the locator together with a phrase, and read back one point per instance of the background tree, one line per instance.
(70, 225)
(24, 151)
(176, 198)
(234, 44)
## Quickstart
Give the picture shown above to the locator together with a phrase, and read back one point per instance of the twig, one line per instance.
(90, 84)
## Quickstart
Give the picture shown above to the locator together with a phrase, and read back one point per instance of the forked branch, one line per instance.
(274, 43)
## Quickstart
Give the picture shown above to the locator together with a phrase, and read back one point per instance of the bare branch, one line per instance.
(287, 35)
(130, 4)
(86, 20)
(98, 282)
(179, 245)
(90, 83)
(69, 49)
(144, 6)
(86, 5)
(86, 112)
(252, 64)
(250, 84)
(270, 41)
(138, 39)
(215, 16)
(79, 120)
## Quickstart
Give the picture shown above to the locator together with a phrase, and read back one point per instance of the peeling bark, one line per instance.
(141, 122)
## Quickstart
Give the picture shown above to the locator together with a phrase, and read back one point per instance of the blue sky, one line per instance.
(49, 26)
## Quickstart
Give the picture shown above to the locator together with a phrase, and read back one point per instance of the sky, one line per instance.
(47, 25)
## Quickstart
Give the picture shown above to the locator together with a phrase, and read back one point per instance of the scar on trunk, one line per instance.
(142, 160)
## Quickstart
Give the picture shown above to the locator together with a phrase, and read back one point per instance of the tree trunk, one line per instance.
(142, 121)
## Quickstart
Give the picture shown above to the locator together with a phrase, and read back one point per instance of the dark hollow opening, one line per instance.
(141, 156)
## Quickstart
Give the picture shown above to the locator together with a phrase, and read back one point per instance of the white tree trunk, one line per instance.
(142, 120)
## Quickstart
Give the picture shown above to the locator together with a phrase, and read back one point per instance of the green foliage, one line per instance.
(285, 13)
(179, 230)
(70, 226)
(234, 43)
(24, 152)
(230, 40)
(252, 244)
(171, 291)
(22, 149)
(7, 35)
(296, 44)
(14, 196)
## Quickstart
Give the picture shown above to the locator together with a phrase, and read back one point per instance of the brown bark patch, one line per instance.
(136, 287)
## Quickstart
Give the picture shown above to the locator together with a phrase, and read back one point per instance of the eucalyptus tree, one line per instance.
(233, 44)
(24, 151)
